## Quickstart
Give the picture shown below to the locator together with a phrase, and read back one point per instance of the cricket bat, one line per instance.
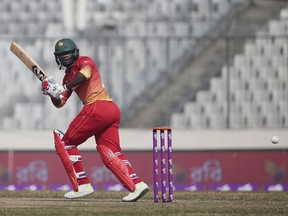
(28, 61)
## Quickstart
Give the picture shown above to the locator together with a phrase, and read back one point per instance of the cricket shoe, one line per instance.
(140, 190)
(83, 190)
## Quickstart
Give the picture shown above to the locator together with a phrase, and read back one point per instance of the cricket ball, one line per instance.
(274, 139)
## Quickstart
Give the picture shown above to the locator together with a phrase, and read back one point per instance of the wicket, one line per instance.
(162, 131)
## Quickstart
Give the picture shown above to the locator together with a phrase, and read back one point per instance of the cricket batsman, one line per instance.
(99, 117)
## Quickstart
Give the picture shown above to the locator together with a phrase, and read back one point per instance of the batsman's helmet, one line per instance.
(64, 46)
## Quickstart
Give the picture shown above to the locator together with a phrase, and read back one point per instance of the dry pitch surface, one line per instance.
(109, 203)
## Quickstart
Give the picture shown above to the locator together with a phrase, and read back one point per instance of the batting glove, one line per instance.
(52, 88)
(47, 82)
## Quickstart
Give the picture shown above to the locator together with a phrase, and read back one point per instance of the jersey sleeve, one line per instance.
(86, 71)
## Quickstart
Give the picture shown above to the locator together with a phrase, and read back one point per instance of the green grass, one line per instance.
(109, 203)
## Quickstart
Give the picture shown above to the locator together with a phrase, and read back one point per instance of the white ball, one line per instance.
(274, 139)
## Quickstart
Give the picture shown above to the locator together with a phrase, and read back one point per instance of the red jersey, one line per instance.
(90, 90)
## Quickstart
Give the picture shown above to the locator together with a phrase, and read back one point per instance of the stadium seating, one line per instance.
(148, 37)
(258, 85)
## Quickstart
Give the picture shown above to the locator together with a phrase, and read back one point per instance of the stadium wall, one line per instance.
(203, 160)
(141, 139)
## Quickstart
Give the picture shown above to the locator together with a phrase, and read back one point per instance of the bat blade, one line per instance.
(28, 60)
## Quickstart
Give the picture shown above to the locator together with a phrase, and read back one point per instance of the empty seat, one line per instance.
(247, 73)
(266, 73)
(204, 96)
(220, 8)
(282, 73)
(37, 111)
(197, 121)
(255, 120)
(251, 49)
(238, 85)
(201, 10)
(279, 61)
(282, 45)
(234, 72)
(52, 5)
(214, 108)
(200, 27)
(217, 84)
(241, 96)
(279, 95)
(216, 121)
(284, 14)
(140, 29)
(283, 106)
(237, 121)
(221, 96)
(158, 9)
(235, 107)
(261, 41)
(259, 61)
(273, 120)
(276, 27)
(242, 60)
(268, 107)
(10, 123)
(260, 95)
(177, 8)
(250, 108)
(192, 107)
(21, 110)
(178, 120)
(270, 49)
(257, 84)
(53, 29)
(15, 29)
(182, 29)
(276, 84)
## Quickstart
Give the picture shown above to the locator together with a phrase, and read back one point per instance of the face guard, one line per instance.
(66, 59)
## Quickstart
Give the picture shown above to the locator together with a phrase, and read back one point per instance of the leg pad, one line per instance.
(65, 158)
(116, 166)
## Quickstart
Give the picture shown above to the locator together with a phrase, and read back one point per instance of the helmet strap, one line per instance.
(58, 62)
(75, 54)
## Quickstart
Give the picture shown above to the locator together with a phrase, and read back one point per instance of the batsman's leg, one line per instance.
(140, 187)
(65, 159)
(119, 166)
(85, 188)
(116, 166)
(71, 159)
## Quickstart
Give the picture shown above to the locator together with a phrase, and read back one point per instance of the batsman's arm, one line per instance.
(59, 102)
(79, 78)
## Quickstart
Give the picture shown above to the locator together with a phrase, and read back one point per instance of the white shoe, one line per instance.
(141, 190)
(83, 190)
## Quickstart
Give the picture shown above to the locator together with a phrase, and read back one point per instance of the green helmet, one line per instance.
(65, 45)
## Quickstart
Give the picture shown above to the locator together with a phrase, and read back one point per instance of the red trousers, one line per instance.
(100, 119)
